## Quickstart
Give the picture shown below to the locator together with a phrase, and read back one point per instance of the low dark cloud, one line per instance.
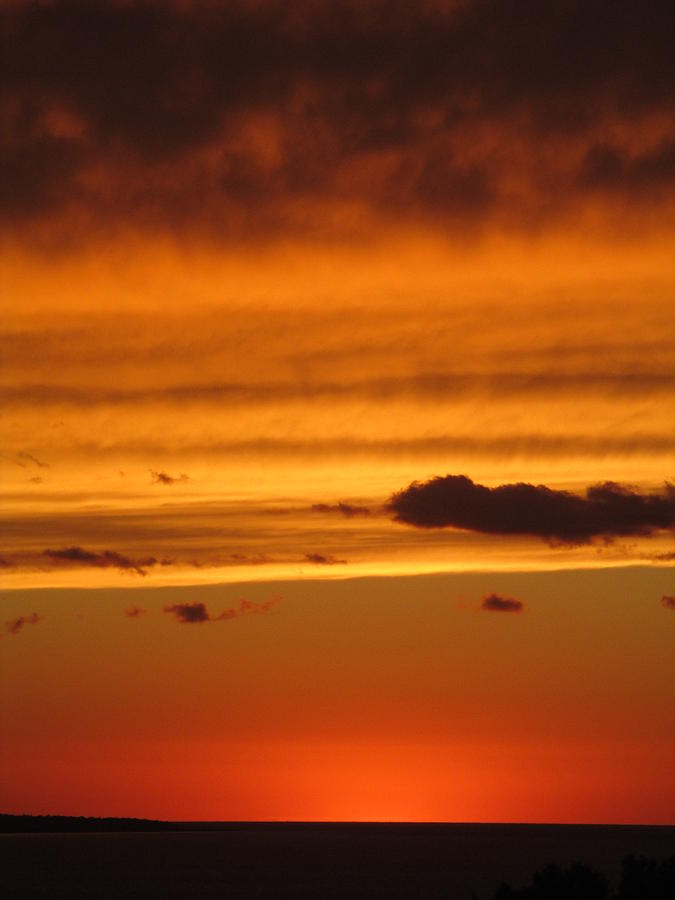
(196, 613)
(348, 510)
(107, 559)
(14, 626)
(133, 612)
(195, 113)
(189, 613)
(165, 478)
(605, 510)
(495, 603)
(668, 601)
(321, 559)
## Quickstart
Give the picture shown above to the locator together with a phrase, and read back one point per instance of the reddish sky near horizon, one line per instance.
(337, 386)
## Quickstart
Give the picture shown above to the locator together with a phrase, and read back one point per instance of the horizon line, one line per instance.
(242, 822)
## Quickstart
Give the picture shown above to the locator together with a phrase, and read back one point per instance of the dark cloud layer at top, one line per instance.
(607, 510)
(109, 106)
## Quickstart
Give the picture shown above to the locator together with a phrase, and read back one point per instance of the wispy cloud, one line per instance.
(348, 510)
(323, 559)
(107, 559)
(14, 626)
(24, 460)
(134, 612)
(165, 478)
(29, 458)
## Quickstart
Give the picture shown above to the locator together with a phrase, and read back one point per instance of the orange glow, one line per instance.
(248, 306)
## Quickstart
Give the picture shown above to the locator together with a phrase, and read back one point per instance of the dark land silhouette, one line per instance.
(76, 824)
(55, 857)
(641, 879)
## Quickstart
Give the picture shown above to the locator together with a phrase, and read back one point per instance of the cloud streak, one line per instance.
(196, 613)
(323, 559)
(134, 612)
(606, 510)
(348, 510)
(165, 478)
(107, 559)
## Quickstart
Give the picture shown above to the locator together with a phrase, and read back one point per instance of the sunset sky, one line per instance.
(338, 391)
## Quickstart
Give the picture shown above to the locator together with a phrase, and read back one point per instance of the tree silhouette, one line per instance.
(647, 879)
(641, 879)
(578, 882)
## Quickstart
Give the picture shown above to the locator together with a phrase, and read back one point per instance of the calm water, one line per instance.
(317, 861)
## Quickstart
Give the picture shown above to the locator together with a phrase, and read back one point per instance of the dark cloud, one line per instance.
(197, 613)
(606, 510)
(14, 626)
(321, 559)
(346, 509)
(668, 601)
(403, 107)
(164, 478)
(133, 612)
(495, 603)
(107, 559)
(189, 613)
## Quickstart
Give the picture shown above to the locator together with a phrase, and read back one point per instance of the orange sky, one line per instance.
(381, 698)
(276, 268)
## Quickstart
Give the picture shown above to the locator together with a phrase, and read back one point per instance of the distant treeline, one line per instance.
(44, 824)
(641, 879)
